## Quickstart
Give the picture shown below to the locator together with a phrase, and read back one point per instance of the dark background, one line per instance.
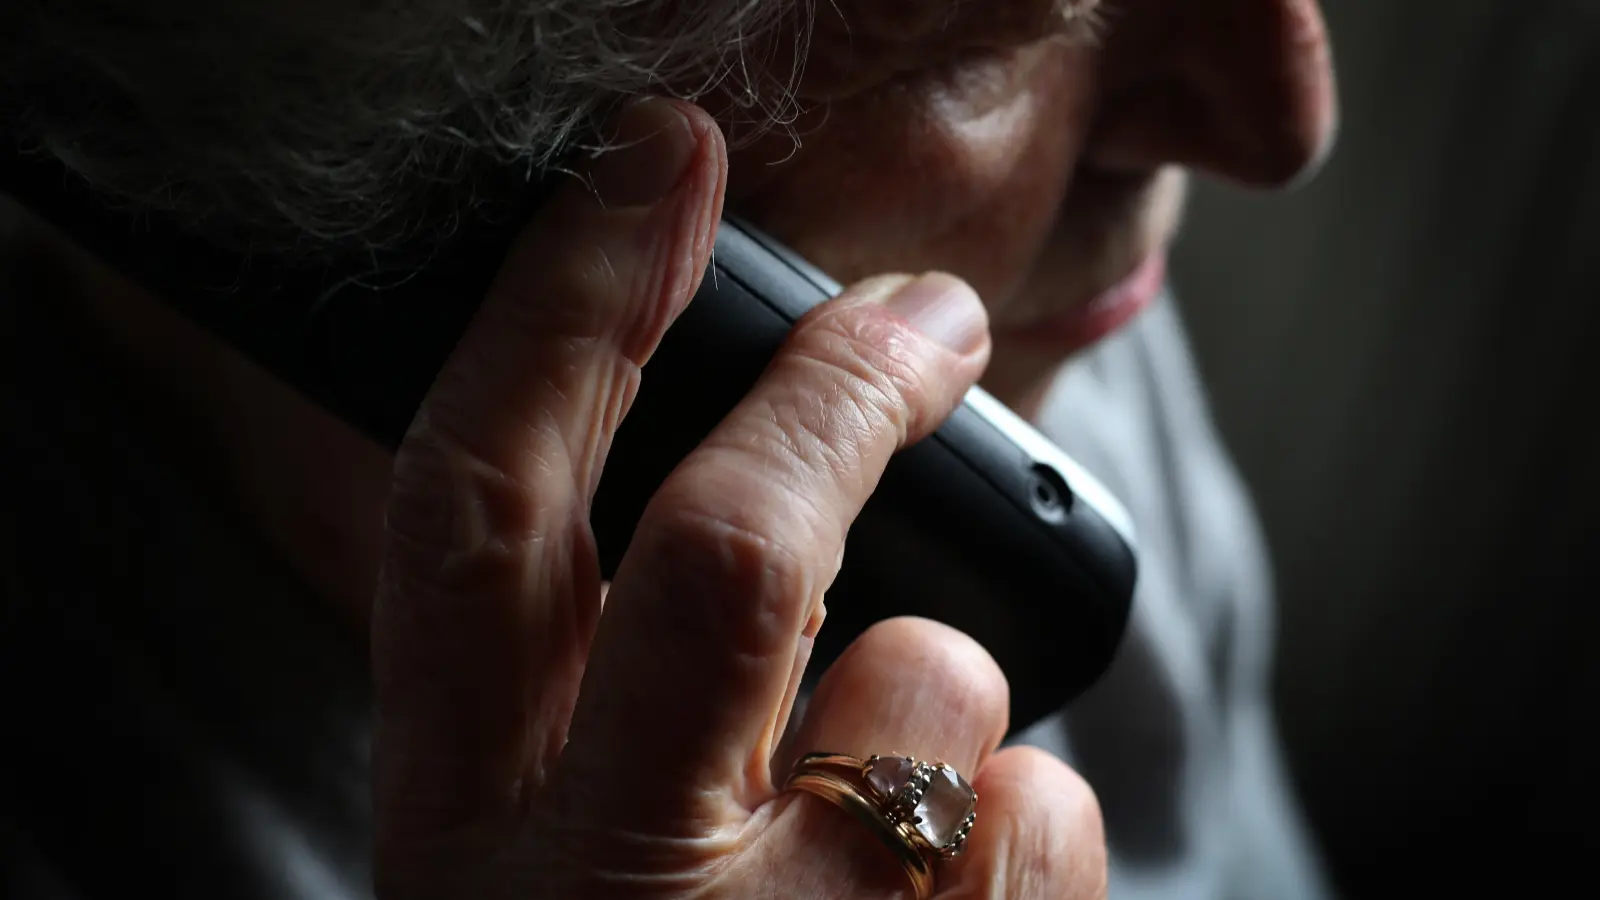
(1399, 356)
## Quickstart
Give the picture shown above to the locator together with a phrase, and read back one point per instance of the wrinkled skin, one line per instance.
(533, 747)
(1037, 155)
(530, 746)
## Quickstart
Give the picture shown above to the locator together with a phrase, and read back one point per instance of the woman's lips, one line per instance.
(1105, 313)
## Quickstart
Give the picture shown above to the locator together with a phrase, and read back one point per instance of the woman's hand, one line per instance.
(530, 746)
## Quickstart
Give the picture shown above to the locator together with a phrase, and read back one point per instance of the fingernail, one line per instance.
(650, 147)
(944, 308)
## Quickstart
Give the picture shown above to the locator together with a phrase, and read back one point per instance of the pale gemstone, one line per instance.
(947, 802)
(889, 773)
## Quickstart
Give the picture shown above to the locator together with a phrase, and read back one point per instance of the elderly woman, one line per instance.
(536, 732)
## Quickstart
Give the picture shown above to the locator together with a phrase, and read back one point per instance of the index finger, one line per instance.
(696, 650)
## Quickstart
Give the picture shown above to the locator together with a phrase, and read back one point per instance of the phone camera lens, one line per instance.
(1049, 494)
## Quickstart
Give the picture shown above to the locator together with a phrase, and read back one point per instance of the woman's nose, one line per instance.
(1240, 89)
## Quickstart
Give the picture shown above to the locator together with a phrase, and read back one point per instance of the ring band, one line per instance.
(921, 811)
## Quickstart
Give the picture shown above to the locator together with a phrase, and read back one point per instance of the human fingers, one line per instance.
(907, 688)
(1038, 834)
(490, 587)
(696, 652)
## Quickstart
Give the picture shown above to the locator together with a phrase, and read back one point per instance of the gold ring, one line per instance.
(921, 811)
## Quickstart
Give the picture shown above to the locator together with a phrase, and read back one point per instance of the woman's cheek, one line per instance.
(961, 170)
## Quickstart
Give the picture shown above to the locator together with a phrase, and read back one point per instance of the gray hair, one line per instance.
(320, 127)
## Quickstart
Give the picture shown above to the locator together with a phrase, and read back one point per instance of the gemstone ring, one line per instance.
(922, 811)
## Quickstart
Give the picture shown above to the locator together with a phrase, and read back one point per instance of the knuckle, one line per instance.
(495, 407)
(458, 521)
(735, 574)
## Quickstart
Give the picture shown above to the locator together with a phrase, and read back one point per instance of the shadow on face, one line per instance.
(1034, 147)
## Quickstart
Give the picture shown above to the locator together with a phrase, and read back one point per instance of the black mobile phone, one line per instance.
(985, 525)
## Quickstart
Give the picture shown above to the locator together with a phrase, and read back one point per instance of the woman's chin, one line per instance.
(1089, 322)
